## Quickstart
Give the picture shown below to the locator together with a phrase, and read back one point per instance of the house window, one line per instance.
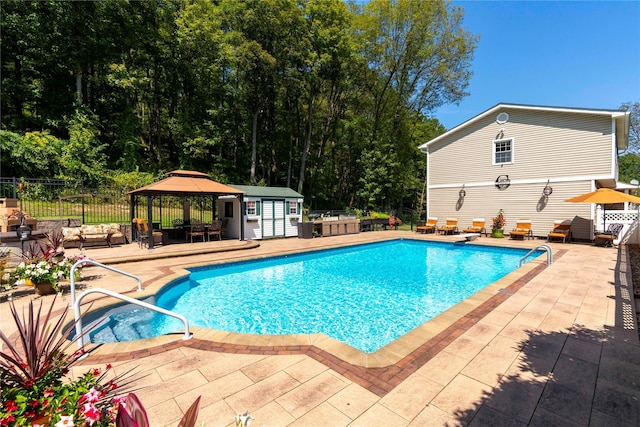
(253, 208)
(502, 151)
(293, 208)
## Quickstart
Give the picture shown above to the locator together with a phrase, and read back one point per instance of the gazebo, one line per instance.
(182, 183)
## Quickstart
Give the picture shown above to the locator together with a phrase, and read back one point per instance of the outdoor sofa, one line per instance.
(92, 235)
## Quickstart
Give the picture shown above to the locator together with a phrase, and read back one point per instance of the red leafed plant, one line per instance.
(132, 414)
(33, 372)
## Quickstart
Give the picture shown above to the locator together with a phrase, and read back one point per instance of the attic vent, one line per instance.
(502, 118)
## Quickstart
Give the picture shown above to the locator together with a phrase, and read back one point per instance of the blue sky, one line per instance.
(554, 53)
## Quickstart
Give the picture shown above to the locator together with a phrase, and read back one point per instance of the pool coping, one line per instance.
(379, 371)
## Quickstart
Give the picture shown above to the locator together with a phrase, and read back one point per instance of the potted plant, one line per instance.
(43, 274)
(34, 369)
(497, 228)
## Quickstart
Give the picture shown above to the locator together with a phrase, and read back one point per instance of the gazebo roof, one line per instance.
(186, 183)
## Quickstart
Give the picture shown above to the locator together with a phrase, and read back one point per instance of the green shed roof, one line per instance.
(276, 192)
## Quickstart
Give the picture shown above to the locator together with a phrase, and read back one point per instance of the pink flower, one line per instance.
(92, 396)
(90, 413)
(10, 405)
(47, 393)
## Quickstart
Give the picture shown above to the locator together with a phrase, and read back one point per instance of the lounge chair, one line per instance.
(429, 227)
(451, 227)
(477, 226)
(522, 230)
(561, 230)
(606, 238)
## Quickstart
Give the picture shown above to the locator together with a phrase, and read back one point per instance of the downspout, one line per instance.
(241, 199)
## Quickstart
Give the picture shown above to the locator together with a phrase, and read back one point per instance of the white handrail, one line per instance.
(78, 318)
(547, 249)
(90, 261)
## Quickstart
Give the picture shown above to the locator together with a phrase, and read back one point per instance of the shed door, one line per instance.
(272, 218)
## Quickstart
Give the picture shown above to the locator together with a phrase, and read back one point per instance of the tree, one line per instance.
(634, 125)
(629, 162)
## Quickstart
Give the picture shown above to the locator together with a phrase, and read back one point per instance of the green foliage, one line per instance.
(82, 157)
(324, 96)
(127, 181)
(629, 167)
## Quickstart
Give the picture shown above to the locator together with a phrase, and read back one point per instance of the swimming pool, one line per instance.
(365, 296)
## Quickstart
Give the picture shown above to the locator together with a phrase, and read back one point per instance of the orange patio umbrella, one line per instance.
(604, 196)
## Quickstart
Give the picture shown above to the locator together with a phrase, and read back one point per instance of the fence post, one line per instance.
(82, 198)
(14, 187)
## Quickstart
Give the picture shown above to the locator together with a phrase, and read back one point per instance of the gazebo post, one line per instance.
(241, 216)
(132, 213)
(150, 216)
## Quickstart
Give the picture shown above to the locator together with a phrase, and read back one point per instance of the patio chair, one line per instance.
(451, 227)
(394, 222)
(196, 229)
(477, 226)
(214, 229)
(178, 228)
(561, 230)
(142, 228)
(429, 227)
(606, 238)
(522, 230)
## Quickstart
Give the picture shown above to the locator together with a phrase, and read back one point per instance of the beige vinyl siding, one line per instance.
(545, 146)
(523, 201)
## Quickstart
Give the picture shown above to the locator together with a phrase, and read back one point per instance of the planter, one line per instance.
(44, 288)
(498, 233)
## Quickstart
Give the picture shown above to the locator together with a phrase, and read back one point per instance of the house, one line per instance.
(526, 160)
(266, 212)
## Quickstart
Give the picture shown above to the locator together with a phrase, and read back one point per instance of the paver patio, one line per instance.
(558, 346)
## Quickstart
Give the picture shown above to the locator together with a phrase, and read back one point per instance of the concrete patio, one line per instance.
(557, 345)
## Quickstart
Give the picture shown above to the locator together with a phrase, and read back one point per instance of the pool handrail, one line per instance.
(78, 318)
(90, 261)
(546, 248)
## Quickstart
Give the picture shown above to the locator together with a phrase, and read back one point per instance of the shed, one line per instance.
(265, 212)
(182, 183)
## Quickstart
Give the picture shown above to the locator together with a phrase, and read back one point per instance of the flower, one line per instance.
(46, 269)
(499, 221)
(38, 271)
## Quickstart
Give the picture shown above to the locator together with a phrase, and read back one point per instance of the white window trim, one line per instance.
(254, 208)
(293, 208)
(493, 151)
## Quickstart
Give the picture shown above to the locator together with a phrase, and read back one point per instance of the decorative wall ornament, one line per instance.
(547, 190)
(462, 193)
(502, 182)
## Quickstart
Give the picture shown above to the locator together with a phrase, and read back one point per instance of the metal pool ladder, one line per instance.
(546, 248)
(76, 302)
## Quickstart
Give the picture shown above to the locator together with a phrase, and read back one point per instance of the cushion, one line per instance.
(70, 231)
(91, 229)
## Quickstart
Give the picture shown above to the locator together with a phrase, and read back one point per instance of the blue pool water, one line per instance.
(365, 296)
